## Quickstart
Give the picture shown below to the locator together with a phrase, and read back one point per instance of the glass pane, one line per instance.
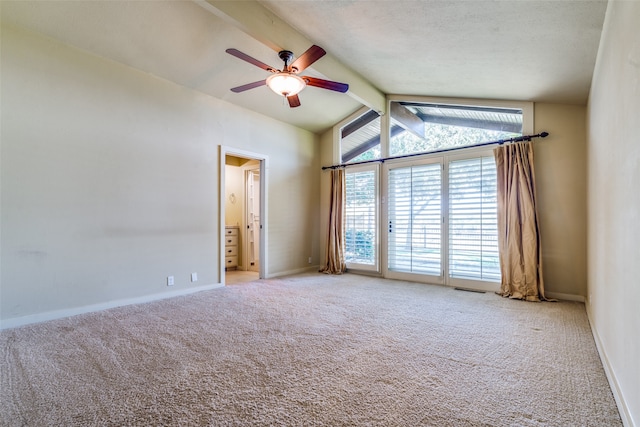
(423, 127)
(360, 218)
(415, 219)
(473, 229)
(360, 139)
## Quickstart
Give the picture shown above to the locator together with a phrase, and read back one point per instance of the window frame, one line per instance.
(337, 134)
(375, 168)
(404, 163)
(484, 285)
(525, 106)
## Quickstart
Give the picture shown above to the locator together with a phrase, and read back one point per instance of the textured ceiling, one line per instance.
(179, 41)
(529, 50)
(512, 49)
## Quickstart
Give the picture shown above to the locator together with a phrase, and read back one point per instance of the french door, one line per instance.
(415, 221)
(441, 221)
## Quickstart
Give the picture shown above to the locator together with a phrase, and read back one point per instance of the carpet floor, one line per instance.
(310, 350)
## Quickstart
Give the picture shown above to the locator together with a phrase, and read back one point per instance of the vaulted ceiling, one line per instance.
(530, 50)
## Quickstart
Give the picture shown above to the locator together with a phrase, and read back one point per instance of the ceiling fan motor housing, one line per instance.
(286, 56)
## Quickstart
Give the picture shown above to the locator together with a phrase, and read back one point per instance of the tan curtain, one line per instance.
(334, 256)
(518, 227)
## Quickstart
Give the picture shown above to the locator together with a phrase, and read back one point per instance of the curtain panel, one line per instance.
(518, 225)
(334, 255)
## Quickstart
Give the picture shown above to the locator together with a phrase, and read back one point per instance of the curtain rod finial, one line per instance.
(544, 134)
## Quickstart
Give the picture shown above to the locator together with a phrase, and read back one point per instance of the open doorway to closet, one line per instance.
(243, 209)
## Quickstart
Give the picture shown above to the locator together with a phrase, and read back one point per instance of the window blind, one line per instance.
(361, 218)
(415, 219)
(473, 229)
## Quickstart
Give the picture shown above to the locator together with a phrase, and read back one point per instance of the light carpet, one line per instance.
(310, 350)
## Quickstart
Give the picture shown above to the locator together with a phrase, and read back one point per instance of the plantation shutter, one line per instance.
(473, 227)
(361, 218)
(415, 219)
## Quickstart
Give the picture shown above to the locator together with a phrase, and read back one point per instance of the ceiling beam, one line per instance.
(407, 119)
(359, 123)
(267, 28)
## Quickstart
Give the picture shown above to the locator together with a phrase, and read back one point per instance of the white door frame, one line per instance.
(247, 172)
(264, 168)
(387, 273)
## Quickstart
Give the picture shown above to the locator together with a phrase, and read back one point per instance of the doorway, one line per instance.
(242, 214)
(252, 207)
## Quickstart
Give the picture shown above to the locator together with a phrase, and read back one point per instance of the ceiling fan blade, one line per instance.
(326, 84)
(294, 101)
(248, 86)
(309, 57)
(250, 60)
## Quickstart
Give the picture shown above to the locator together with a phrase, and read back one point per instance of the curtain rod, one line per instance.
(500, 142)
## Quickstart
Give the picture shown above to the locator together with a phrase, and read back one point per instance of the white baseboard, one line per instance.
(565, 297)
(59, 314)
(313, 268)
(625, 415)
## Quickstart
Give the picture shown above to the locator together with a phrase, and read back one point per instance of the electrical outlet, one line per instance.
(194, 277)
(170, 281)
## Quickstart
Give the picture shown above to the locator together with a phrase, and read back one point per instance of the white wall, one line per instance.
(614, 202)
(110, 181)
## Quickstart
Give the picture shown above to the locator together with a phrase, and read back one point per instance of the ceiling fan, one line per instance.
(286, 82)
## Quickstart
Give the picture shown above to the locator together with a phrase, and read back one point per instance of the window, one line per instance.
(361, 218)
(473, 220)
(360, 138)
(425, 127)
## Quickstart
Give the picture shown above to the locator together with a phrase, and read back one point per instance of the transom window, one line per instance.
(426, 127)
(360, 138)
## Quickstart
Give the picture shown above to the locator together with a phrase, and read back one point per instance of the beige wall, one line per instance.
(234, 193)
(326, 159)
(110, 182)
(560, 162)
(614, 203)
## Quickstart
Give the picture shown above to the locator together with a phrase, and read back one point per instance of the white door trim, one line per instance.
(264, 169)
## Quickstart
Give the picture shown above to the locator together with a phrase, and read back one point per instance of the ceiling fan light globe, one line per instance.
(285, 84)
